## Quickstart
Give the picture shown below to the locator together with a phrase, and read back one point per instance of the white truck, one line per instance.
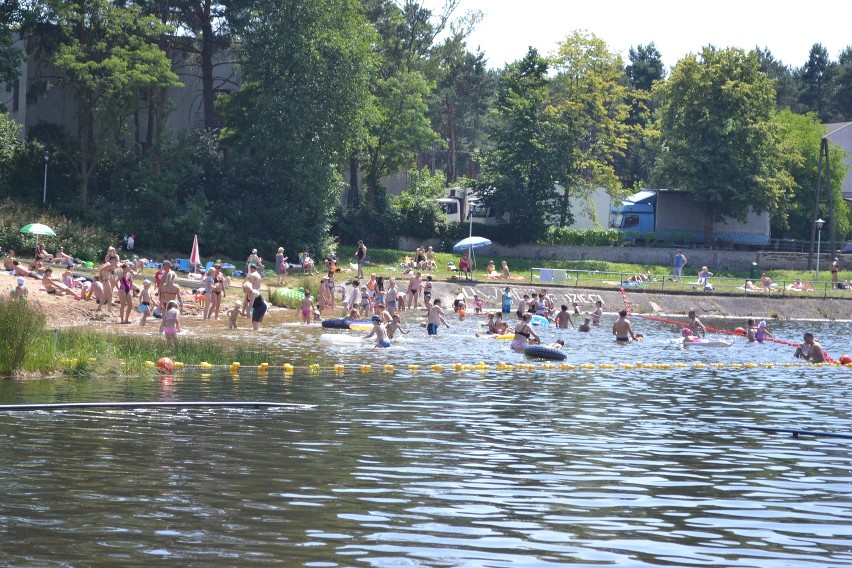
(459, 201)
(591, 212)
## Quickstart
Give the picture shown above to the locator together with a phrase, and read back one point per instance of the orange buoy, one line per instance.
(845, 359)
(165, 365)
(740, 331)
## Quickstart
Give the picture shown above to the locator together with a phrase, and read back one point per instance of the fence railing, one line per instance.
(687, 284)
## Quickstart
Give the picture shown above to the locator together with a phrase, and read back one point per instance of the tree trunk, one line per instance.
(207, 95)
(452, 175)
(149, 130)
(84, 181)
(372, 180)
(355, 189)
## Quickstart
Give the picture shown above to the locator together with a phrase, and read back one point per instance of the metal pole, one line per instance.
(819, 242)
(470, 230)
(44, 195)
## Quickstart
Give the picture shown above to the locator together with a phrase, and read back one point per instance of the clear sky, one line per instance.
(677, 28)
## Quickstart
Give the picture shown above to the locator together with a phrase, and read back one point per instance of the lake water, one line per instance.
(604, 467)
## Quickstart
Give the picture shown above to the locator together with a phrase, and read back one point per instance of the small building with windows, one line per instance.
(841, 134)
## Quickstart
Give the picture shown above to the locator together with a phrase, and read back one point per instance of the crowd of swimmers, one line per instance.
(376, 299)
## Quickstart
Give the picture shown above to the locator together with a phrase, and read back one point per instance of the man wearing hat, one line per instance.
(835, 268)
(280, 265)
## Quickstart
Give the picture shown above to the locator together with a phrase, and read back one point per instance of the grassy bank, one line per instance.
(79, 352)
(581, 273)
(27, 347)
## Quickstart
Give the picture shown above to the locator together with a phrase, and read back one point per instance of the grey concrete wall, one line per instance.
(714, 259)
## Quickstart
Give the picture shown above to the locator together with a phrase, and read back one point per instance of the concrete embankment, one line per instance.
(758, 305)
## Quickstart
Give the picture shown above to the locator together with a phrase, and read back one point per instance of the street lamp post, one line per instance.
(44, 196)
(470, 257)
(819, 223)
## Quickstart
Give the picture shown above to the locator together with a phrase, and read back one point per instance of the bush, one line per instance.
(503, 233)
(584, 237)
(80, 240)
(375, 228)
(418, 215)
(20, 322)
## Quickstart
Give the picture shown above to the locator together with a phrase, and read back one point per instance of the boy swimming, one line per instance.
(380, 333)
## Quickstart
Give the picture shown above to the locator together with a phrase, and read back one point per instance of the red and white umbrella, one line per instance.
(195, 256)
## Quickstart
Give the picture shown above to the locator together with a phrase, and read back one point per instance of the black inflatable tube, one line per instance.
(542, 352)
(341, 323)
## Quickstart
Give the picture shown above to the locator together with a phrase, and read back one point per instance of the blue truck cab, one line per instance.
(669, 213)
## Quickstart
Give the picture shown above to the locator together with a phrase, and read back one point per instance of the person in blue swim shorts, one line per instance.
(379, 332)
(435, 317)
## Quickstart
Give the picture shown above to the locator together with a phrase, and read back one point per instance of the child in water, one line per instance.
(145, 302)
(688, 337)
(761, 333)
(170, 324)
(507, 300)
(365, 301)
(395, 326)
(379, 332)
(427, 290)
(233, 314)
(307, 306)
(477, 304)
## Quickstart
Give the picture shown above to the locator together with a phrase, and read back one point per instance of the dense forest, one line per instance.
(331, 90)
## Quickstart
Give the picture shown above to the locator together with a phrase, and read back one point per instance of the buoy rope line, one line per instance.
(315, 368)
(256, 404)
(795, 432)
(709, 328)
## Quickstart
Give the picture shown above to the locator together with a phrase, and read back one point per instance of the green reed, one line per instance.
(20, 323)
(85, 353)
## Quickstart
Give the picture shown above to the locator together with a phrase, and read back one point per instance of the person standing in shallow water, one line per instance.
(810, 350)
(280, 266)
(622, 329)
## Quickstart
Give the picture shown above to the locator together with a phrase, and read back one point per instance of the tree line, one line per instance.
(361, 89)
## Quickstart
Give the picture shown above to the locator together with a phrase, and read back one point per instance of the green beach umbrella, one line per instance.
(37, 229)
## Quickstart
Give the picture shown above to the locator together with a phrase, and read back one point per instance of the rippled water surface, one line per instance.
(611, 467)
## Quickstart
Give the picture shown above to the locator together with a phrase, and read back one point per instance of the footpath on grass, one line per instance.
(760, 305)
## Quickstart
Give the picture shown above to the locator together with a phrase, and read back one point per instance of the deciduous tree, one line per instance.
(802, 137)
(109, 57)
(589, 107)
(719, 142)
(10, 55)
(519, 175)
(306, 69)
(398, 126)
